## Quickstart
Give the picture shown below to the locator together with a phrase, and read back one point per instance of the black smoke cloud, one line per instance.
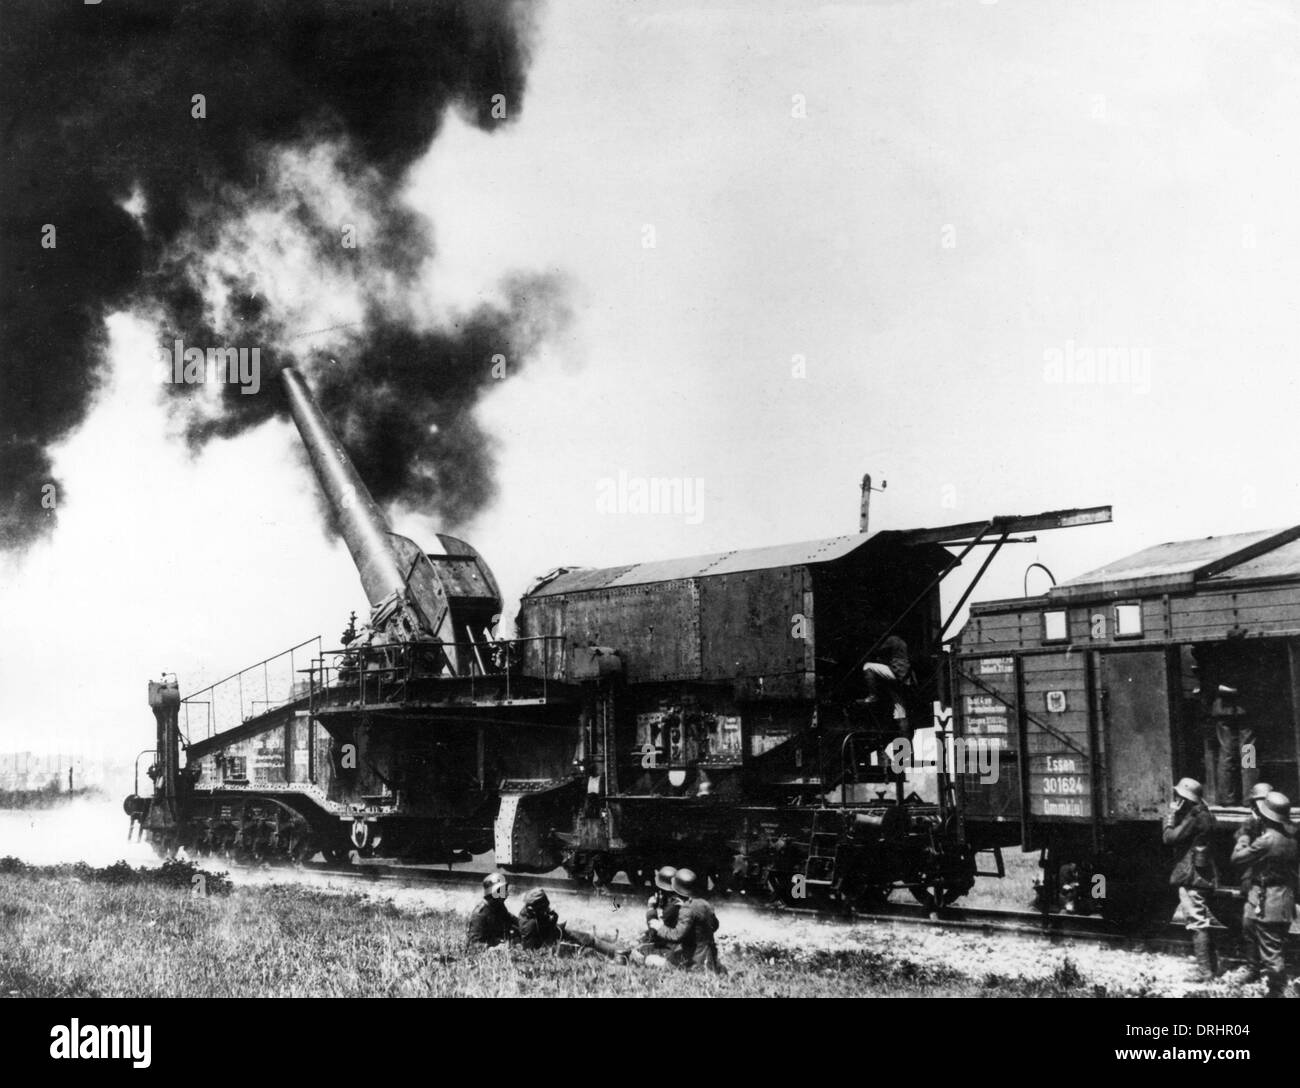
(96, 108)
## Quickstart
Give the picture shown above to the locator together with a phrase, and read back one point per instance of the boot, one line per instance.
(1206, 961)
(1276, 985)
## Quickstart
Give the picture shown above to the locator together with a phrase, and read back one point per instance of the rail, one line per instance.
(231, 701)
(383, 673)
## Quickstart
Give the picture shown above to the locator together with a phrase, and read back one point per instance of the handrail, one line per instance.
(215, 691)
(256, 664)
(392, 665)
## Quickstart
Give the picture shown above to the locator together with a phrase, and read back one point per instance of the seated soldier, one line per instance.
(540, 928)
(662, 906)
(490, 923)
(692, 935)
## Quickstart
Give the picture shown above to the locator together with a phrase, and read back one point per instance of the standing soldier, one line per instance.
(696, 924)
(1271, 858)
(1248, 832)
(1189, 826)
(490, 923)
(888, 674)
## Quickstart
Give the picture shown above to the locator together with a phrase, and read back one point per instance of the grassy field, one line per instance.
(79, 932)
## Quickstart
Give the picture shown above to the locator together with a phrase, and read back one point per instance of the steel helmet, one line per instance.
(1188, 788)
(1260, 790)
(1276, 807)
(536, 898)
(492, 882)
(664, 878)
(684, 883)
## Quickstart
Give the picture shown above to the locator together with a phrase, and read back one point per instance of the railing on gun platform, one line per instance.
(382, 674)
(255, 690)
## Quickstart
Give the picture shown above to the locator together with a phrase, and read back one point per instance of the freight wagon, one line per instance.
(1180, 660)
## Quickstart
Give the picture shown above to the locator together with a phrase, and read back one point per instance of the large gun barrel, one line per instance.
(362, 524)
(406, 593)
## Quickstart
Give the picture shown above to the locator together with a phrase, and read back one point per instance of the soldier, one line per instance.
(540, 927)
(1253, 824)
(1250, 830)
(888, 670)
(1228, 690)
(1271, 858)
(490, 923)
(662, 905)
(1189, 826)
(692, 935)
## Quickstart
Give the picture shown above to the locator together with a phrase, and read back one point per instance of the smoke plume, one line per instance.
(223, 218)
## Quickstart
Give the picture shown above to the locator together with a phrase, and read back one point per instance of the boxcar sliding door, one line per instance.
(1133, 693)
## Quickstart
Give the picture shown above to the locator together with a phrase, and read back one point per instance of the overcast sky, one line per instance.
(887, 237)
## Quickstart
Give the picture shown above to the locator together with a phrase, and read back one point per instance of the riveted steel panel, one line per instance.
(543, 656)
(655, 628)
(756, 623)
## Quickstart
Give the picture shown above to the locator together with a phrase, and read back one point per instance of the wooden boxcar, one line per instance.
(1101, 693)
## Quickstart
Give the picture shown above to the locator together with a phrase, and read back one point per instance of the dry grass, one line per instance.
(69, 935)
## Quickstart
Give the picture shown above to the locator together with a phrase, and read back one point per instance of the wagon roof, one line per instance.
(829, 549)
(924, 546)
(1265, 553)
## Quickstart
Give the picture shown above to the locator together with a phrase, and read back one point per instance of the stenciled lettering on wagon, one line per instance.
(985, 715)
(1071, 784)
(997, 665)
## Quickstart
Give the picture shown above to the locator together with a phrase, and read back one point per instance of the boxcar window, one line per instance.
(1128, 620)
(1054, 627)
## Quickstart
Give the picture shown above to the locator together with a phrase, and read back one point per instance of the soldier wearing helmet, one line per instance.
(692, 935)
(1250, 830)
(1189, 827)
(1271, 858)
(490, 922)
(662, 905)
(540, 927)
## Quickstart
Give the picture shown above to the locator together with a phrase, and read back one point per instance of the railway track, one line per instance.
(1029, 924)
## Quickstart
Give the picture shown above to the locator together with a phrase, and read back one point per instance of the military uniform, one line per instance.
(1190, 829)
(691, 935)
(540, 927)
(663, 907)
(1270, 861)
(490, 923)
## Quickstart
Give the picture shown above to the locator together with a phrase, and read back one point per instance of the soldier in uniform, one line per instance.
(692, 935)
(662, 905)
(490, 922)
(540, 927)
(1249, 831)
(888, 672)
(1189, 826)
(1271, 858)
